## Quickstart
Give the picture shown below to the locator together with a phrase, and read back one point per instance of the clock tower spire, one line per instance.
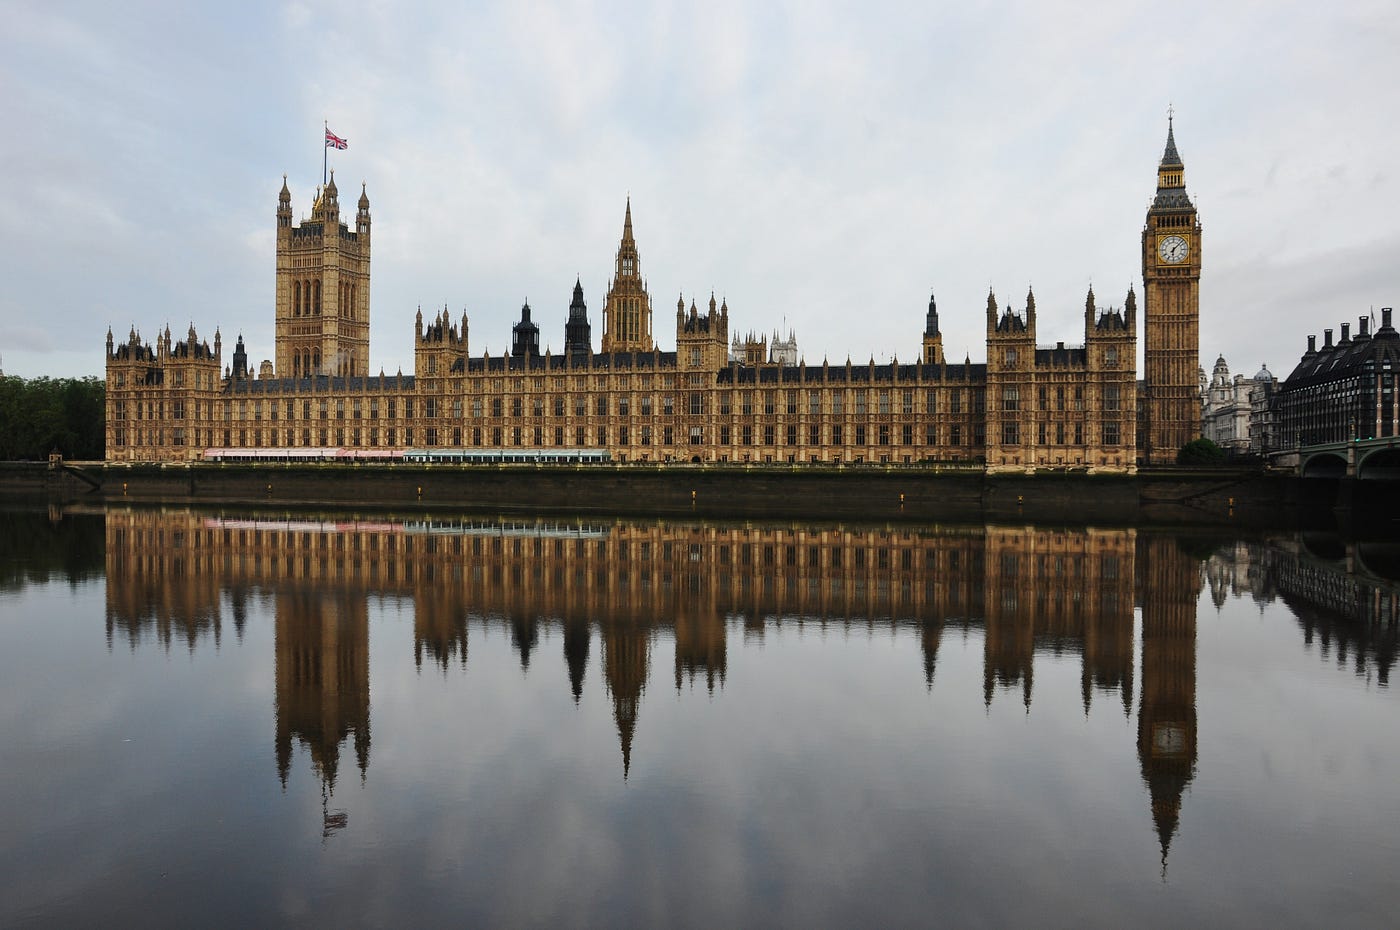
(1171, 275)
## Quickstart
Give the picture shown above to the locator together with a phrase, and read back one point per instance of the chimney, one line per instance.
(1362, 326)
(1346, 333)
(1385, 318)
(1312, 344)
(1327, 338)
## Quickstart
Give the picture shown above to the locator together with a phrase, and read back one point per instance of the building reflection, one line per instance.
(1030, 592)
(1344, 593)
(322, 675)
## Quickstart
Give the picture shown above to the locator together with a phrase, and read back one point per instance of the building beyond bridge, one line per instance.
(708, 400)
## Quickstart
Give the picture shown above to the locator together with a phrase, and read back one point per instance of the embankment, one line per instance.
(1208, 497)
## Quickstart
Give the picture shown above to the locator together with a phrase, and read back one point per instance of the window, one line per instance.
(1011, 398)
(1110, 433)
(955, 401)
(1110, 397)
(1010, 434)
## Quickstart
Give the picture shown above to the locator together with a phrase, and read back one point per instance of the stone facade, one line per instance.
(1235, 411)
(1026, 408)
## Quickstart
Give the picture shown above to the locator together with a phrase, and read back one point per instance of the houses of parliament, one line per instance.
(709, 400)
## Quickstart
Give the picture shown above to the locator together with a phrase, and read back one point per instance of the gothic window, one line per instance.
(1011, 399)
(1110, 397)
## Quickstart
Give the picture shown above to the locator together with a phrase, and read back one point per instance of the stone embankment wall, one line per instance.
(1165, 496)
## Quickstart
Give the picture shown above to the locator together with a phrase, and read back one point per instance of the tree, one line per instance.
(1200, 452)
(42, 414)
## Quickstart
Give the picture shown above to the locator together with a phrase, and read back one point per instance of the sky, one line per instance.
(823, 167)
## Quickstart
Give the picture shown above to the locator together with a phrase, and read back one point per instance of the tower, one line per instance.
(933, 338)
(1171, 274)
(627, 314)
(322, 288)
(700, 337)
(578, 332)
(525, 335)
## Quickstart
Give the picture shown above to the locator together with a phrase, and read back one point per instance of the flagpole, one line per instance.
(326, 125)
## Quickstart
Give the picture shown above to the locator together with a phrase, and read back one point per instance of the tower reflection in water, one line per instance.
(1027, 590)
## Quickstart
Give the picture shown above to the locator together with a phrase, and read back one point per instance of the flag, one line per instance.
(335, 142)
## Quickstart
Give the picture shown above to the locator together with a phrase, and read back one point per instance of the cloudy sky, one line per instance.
(823, 166)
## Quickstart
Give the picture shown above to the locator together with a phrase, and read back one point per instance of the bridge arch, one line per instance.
(1325, 465)
(1379, 465)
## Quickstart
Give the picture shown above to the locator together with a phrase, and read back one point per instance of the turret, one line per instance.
(240, 360)
(362, 213)
(284, 206)
(578, 332)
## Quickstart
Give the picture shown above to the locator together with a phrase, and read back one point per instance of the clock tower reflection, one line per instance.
(1170, 586)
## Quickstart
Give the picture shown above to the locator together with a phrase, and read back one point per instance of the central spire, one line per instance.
(627, 313)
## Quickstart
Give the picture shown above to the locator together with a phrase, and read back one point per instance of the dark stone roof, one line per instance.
(839, 374)
(1364, 352)
(320, 383)
(1061, 357)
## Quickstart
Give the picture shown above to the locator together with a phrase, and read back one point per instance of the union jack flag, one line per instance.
(335, 142)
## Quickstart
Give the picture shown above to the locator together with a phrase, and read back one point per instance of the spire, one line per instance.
(285, 196)
(1030, 305)
(1170, 158)
(627, 222)
(364, 197)
(991, 306)
(931, 321)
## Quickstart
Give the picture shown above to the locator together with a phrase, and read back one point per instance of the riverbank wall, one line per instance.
(1167, 496)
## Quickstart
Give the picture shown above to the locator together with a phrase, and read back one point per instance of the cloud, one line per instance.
(823, 165)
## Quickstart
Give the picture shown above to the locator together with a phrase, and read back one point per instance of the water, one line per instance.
(214, 718)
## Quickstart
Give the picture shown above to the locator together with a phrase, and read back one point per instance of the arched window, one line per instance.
(296, 298)
(318, 298)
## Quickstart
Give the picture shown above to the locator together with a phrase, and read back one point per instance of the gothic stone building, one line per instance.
(1027, 407)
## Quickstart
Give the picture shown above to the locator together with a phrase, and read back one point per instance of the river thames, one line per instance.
(257, 718)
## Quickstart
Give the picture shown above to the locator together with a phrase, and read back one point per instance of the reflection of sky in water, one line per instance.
(822, 781)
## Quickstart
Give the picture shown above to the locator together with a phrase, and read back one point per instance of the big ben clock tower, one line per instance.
(1171, 276)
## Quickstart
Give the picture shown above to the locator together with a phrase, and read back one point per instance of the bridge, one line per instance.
(1364, 459)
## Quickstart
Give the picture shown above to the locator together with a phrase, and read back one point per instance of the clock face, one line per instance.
(1173, 250)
